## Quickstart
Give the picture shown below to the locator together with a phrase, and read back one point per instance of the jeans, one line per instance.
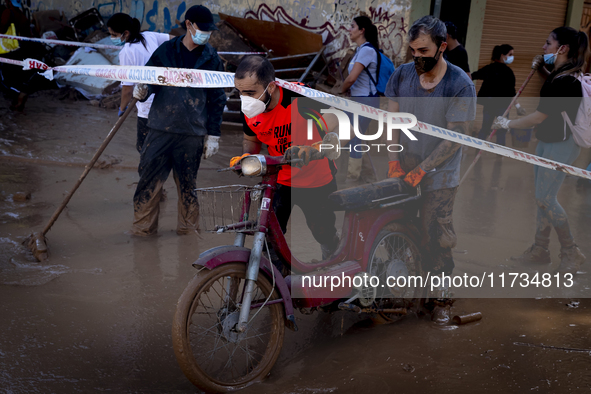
(547, 183)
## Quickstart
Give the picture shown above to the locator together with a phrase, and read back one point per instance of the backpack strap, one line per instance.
(374, 81)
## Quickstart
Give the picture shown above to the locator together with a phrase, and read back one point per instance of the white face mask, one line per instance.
(252, 107)
(509, 60)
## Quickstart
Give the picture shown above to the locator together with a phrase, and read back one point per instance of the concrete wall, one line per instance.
(330, 18)
(474, 34)
(574, 13)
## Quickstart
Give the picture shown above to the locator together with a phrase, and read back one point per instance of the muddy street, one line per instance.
(97, 315)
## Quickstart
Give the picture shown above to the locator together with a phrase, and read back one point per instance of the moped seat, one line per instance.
(364, 197)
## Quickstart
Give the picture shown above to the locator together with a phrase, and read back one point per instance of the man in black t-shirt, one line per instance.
(456, 54)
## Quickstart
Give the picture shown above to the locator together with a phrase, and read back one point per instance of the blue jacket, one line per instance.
(196, 111)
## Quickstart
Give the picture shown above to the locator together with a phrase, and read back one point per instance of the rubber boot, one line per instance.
(354, 168)
(535, 254)
(441, 314)
(570, 260)
(442, 301)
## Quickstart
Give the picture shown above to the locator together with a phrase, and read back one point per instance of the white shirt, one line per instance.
(366, 55)
(137, 55)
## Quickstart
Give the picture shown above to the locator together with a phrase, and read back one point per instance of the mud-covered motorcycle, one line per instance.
(229, 323)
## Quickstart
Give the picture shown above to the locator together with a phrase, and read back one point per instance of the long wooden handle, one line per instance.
(89, 166)
(530, 75)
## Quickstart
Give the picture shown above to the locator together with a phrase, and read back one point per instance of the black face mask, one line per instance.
(425, 64)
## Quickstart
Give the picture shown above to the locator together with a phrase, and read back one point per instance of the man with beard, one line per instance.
(271, 113)
(440, 94)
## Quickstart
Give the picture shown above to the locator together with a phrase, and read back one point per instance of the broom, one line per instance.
(530, 75)
(36, 242)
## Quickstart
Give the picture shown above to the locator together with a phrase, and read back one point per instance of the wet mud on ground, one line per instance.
(97, 315)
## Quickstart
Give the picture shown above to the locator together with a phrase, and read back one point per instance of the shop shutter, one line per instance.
(525, 25)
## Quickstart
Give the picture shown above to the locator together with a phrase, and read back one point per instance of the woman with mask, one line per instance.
(566, 49)
(497, 91)
(136, 51)
(362, 79)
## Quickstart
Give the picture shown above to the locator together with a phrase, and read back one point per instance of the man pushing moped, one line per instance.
(229, 324)
(441, 94)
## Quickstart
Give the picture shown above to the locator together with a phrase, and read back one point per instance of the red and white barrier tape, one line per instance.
(242, 53)
(180, 77)
(216, 79)
(439, 132)
(100, 46)
(59, 42)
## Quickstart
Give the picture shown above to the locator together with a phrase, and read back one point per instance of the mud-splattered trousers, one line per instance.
(435, 223)
(314, 202)
(142, 132)
(547, 182)
(161, 153)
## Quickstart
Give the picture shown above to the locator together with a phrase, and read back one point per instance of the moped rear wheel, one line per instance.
(394, 254)
(211, 354)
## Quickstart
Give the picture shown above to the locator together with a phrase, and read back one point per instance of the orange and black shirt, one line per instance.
(286, 125)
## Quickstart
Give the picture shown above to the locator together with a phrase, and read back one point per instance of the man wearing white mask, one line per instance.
(276, 117)
(184, 123)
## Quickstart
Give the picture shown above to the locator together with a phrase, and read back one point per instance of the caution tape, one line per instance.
(60, 42)
(242, 53)
(439, 132)
(165, 76)
(100, 46)
(10, 61)
(196, 78)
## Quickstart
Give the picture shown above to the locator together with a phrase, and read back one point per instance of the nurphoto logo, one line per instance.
(393, 120)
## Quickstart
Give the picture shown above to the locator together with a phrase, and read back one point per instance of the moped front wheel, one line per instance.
(395, 259)
(211, 354)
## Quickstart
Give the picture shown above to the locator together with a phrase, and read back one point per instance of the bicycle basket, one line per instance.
(220, 207)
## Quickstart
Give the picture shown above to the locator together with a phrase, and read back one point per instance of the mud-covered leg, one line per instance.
(186, 160)
(439, 238)
(154, 167)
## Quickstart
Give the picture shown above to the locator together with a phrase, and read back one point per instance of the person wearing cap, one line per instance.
(184, 123)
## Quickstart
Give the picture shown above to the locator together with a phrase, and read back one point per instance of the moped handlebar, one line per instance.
(329, 147)
(270, 161)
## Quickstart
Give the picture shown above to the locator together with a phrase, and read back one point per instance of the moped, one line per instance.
(229, 323)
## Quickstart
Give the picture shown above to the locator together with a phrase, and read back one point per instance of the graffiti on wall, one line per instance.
(157, 17)
(329, 18)
(334, 28)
